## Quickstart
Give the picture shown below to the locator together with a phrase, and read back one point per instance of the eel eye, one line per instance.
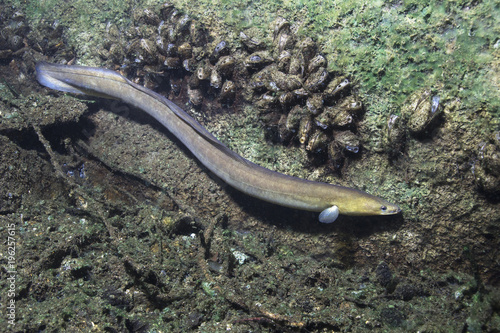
(383, 208)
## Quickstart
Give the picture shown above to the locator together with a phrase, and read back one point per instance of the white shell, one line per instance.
(329, 215)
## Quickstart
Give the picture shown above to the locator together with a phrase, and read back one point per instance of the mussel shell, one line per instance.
(287, 99)
(280, 24)
(315, 104)
(258, 60)
(185, 50)
(421, 110)
(297, 64)
(336, 88)
(325, 119)
(195, 96)
(317, 142)
(203, 72)
(305, 129)
(175, 86)
(258, 81)
(411, 104)
(221, 49)
(225, 65)
(284, 41)
(284, 132)
(284, 81)
(342, 118)
(266, 101)
(294, 117)
(144, 51)
(116, 53)
(112, 30)
(395, 135)
(171, 50)
(228, 91)
(307, 48)
(317, 80)
(348, 141)
(251, 43)
(183, 23)
(284, 60)
(351, 105)
(168, 32)
(197, 34)
(166, 10)
(335, 155)
(189, 65)
(146, 16)
(161, 45)
(193, 81)
(173, 62)
(215, 79)
(315, 63)
(15, 42)
(301, 93)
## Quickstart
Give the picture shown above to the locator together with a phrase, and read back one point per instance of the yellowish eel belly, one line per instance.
(238, 172)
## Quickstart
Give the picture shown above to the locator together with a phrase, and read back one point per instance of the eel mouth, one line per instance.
(392, 210)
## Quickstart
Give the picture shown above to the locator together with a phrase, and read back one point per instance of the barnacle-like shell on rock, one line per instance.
(317, 80)
(251, 43)
(348, 141)
(420, 111)
(228, 91)
(317, 142)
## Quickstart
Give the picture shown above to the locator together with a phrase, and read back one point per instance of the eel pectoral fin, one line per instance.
(329, 215)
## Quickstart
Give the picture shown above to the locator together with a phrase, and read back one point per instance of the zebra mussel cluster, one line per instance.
(287, 78)
(314, 106)
(172, 50)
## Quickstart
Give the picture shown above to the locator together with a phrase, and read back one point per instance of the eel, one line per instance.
(247, 177)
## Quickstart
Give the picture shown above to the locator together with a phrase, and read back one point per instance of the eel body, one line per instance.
(238, 172)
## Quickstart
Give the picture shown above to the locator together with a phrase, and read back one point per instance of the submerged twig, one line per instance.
(232, 297)
(76, 188)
